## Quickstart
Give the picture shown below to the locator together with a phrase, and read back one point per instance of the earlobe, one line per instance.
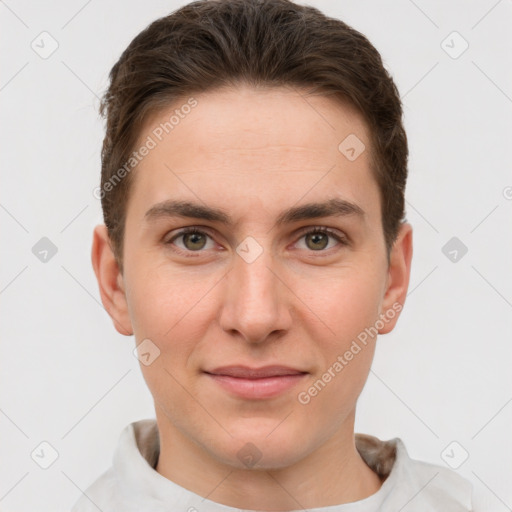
(110, 281)
(398, 278)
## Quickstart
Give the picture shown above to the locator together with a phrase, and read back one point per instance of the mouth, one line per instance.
(256, 383)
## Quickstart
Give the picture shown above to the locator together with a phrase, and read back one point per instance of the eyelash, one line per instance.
(194, 230)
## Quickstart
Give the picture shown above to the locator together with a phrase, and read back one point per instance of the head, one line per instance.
(284, 130)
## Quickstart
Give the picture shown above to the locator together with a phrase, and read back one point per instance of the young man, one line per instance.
(253, 176)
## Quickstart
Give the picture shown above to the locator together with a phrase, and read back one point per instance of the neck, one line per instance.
(333, 474)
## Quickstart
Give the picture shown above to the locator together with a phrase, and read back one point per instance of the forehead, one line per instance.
(256, 116)
(270, 144)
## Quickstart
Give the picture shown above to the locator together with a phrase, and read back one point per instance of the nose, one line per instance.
(255, 305)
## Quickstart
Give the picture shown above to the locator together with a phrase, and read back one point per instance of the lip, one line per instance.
(247, 372)
(256, 383)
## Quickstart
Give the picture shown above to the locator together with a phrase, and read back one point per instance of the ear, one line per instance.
(110, 281)
(399, 271)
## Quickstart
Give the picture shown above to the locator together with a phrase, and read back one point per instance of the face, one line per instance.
(266, 282)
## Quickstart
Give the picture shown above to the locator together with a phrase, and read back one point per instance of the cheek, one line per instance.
(162, 303)
(344, 303)
(349, 306)
(354, 307)
(174, 311)
(165, 310)
(330, 395)
(345, 308)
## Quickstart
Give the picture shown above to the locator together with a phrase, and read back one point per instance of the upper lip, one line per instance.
(246, 372)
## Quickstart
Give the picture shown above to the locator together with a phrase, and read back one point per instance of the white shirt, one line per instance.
(133, 485)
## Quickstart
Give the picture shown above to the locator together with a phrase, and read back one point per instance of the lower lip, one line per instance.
(257, 388)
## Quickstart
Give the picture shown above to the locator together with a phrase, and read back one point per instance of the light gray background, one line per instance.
(443, 375)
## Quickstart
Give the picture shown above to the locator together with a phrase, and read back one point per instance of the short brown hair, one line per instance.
(209, 44)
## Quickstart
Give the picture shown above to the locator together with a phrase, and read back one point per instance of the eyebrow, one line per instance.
(334, 207)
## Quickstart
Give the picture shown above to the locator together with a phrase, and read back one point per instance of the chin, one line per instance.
(261, 448)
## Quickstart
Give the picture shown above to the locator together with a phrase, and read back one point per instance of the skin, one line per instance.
(253, 153)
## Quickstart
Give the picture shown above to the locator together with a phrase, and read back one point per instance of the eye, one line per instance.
(194, 240)
(317, 239)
